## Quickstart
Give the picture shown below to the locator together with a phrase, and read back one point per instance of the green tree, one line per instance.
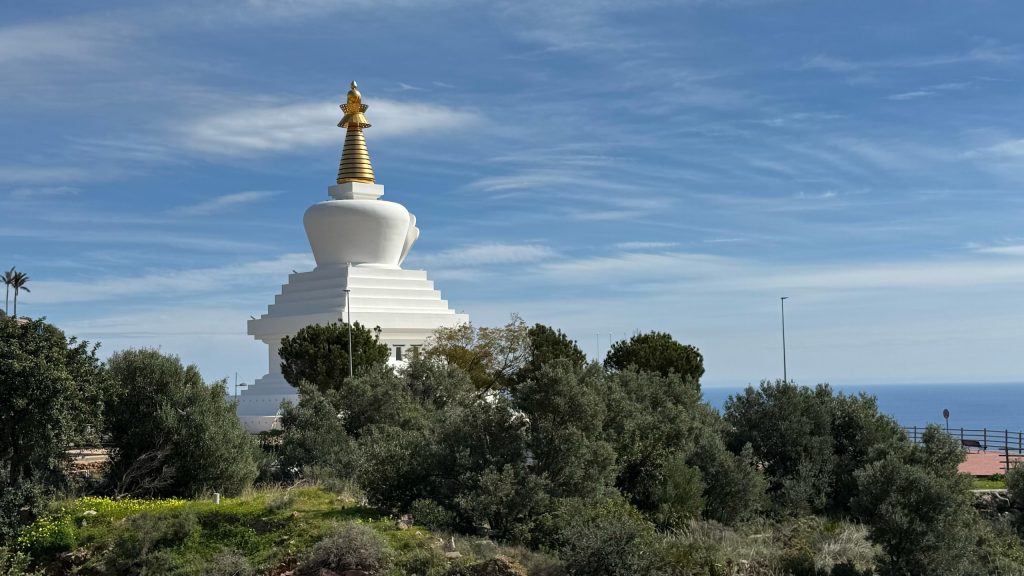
(436, 385)
(565, 405)
(318, 354)
(1015, 490)
(18, 283)
(378, 397)
(314, 438)
(810, 441)
(652, 423)
(490, 356)
(506, 501)
(171, 433)
(1015, 487)
(656, 352)
(398, 466)
(918, 508)
(546, 344)
(49, 399)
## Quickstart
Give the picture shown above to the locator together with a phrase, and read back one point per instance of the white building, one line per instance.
(359, 243)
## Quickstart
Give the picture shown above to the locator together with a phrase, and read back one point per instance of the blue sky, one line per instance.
(602, 167)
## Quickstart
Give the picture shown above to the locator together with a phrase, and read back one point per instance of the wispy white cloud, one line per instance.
(818, 196)
(910, 95)
(547, 178)
(73, 41)
(168, 283)
(734, 274)
(1005, 150)
(1012, 250)
(487, 254)
(30, 174)
(43, 192)
(605, 215)
(929, 91)
(989, 53)
(645, 245)
(275, 10)
(268, 128)
(222, 203)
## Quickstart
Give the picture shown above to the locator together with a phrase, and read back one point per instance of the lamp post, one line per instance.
(348, 311)
(785, 375)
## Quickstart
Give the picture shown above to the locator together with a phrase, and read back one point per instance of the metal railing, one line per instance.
(1007, 443)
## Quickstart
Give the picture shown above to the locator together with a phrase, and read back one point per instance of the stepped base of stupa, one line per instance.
(403, 303)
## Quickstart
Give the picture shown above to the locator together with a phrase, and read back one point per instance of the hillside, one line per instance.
(264, 532)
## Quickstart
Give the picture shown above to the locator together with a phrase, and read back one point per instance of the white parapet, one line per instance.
(403, 303)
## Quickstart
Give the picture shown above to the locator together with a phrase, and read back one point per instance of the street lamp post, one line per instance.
(785, 375)
(348, 311)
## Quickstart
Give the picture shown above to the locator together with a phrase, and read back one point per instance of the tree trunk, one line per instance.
(15, 303)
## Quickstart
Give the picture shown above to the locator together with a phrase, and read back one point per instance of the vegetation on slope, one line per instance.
(498, 435)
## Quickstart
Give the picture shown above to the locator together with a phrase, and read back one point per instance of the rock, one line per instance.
(453, 555)
(404, 522)
(498, 566)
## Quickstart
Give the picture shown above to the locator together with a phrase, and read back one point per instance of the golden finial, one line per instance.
(355, 159)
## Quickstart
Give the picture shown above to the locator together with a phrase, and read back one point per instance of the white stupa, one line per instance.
(359, 243)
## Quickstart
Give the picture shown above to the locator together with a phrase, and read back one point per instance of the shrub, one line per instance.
(1015, 489)
(678, 496)
(15, 563)
(19, 505)
(735, 487)
(505, 501)
(498, 566)
(431, 515)
(352, 547)
(228, 563)
(140, 545)
(606, 536)
(395, 466)
(49, 535)
(1015, 486)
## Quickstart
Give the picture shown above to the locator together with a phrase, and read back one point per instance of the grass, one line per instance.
(268, 530)
(995, 482)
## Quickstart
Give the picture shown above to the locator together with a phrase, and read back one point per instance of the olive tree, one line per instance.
(49, 399)
(171, 433)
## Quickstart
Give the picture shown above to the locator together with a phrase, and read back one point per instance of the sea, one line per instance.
(975, 406)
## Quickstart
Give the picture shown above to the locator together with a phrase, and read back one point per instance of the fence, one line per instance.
(1009, 445)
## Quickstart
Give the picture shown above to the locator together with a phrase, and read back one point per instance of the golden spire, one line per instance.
(355, 160)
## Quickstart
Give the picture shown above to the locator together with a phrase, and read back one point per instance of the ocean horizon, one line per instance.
(995, 406)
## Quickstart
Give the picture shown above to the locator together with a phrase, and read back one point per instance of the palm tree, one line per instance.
(20, 279)
(8, 279)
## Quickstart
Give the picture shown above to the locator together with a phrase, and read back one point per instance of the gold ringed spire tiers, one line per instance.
(355, 159)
